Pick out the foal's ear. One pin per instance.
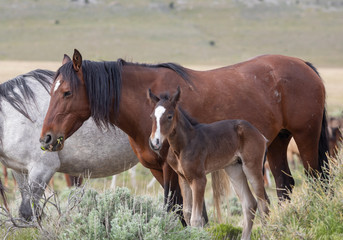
(77, 60)
(176, 97)
(153, 99)
(66, 59)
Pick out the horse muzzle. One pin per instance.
(155, 147)
(51, 143)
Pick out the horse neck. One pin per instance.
(182, 133)
(134, 106)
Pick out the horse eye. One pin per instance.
(67, 94)
(170, 117)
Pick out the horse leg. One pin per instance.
(32, 187)
(277, 158)
(5, 175)
(198, 191)
(113, 182)
(308, 148)
(312, 141)
(255, 178)
(132, 172)
(158, 175)
(241, 187)
(172, 191)
(170, 176)
(73, 181)
(68, 180)
(187, 199)
(25, 210)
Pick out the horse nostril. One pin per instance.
(157, 141)
(47, 138)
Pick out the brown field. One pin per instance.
(332, 78)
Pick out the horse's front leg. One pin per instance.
(198, 190)
(25, 210)
(32, 186)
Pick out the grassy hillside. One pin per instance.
(188, 32)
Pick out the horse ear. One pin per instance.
(77, 60)
(66, 59)
(176, 97)
(153, 99)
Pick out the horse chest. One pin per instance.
(173, 160)
(183, 165)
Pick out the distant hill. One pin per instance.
(196, 32)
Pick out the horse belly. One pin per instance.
(98, 153)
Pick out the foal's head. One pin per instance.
(163, 118)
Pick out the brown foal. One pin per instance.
(198, 149)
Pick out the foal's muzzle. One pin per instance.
(155, 147)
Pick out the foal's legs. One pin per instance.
(240, 184)
(198, 191)
(187, 199)
(255, 177)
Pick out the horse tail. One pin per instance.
(323, 145)
(3, 195)
(323, 148)
(220, 187)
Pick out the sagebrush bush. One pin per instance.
(314, 212)
(120, 215)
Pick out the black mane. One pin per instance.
(103, 83)
(181, 71)
(8, 93)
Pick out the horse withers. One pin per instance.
(198, 149)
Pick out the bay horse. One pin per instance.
(24, 101)
(197, 149)
(281, 96)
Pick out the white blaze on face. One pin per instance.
(157, 138)
(57, 85)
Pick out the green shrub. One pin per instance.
(225, 231)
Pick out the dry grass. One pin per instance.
(11, 69)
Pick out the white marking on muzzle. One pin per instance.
(157, 135)
(57, 85)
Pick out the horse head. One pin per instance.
(163, 118)
(69, 106)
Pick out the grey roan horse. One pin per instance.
(24, 101)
